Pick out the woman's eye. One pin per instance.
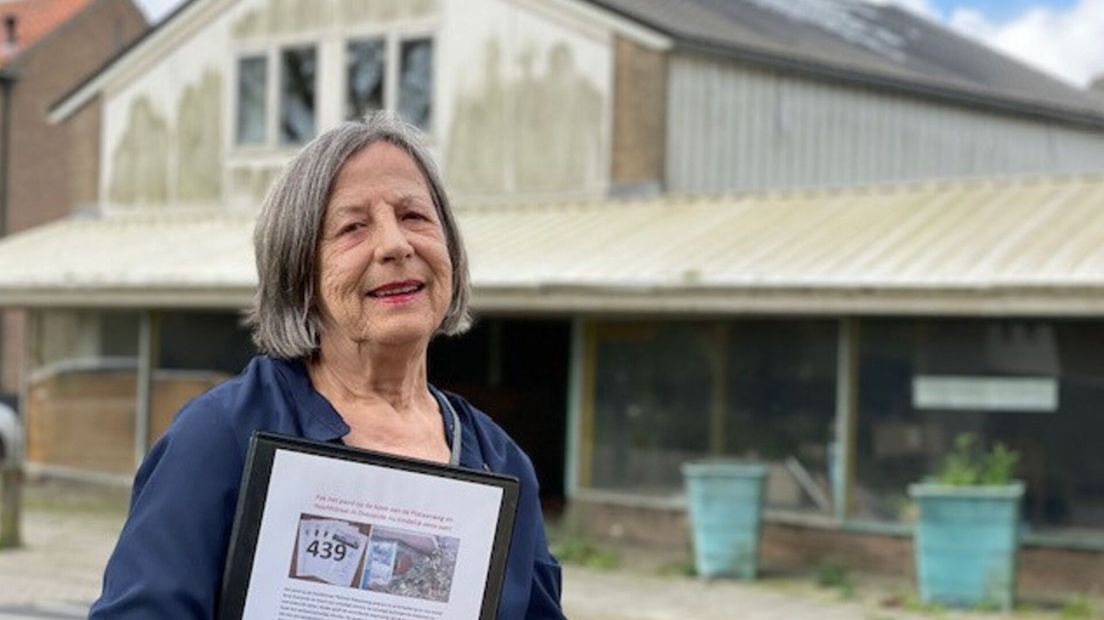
(414, 215)
(350, 227)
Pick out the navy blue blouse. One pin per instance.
(169, 560)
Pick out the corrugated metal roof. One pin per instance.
(1007, 246)
(884, 43)
(150, 258)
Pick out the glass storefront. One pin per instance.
(663, 393)
(668, 392)
(1036, 386)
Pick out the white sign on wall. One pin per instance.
(976, 393)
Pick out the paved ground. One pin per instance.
(69, 537)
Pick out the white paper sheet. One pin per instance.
(435, 523)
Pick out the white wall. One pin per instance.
(532, 122)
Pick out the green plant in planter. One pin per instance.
(967, 534)
(967, 466)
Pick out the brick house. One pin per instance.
(49, 171)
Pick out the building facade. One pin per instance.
(831, 310)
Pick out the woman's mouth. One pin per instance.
(397, 291)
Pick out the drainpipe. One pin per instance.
(7, 83)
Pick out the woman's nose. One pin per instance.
(393, 244)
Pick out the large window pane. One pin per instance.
(252, 81)
(666, 393)
(909, 417)
(204, 341)
(364, 67)
(779, 404)
(297, 92)
(416, 81)
(652, 392)
(81, 389)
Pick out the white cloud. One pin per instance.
(1066, 43)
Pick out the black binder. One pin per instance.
(256, 483)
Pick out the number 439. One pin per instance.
(327, 550)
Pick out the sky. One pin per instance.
(1062, 37)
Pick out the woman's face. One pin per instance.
(384, 271)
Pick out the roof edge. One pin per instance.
(85, 90)
(1004, 301)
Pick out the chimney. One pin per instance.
(11, 38)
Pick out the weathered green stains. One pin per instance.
(540, 133)
(199, 140)
(248, 26)
(478, 139)
(282, 17)
(139, 171)
(357, 11)
(253, 183)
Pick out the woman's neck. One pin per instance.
(362, 375)
(382, 394)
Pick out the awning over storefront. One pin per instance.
(1032, 246)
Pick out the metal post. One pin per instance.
(847, 398)
(718, 402)
(574, 406)
(147, 361)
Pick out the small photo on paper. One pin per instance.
(329, 550)
(411, 564)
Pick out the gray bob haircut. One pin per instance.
(285, 319)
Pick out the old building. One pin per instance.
(902, 241)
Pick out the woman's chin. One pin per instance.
(397, 334)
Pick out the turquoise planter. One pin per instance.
(725, 502)
(966, 543)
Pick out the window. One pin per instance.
(252, 85)
(667, 393)
(280, 103)
(416, 82)
(364, 67)
(366, 71)
(298, 69)
(905, 431)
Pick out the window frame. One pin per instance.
(278, 109)
(331, 82)
(393, 36)
(264, 56)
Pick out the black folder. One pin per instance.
(256, 482)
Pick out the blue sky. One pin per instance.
(1062, 37)
(1001, 10)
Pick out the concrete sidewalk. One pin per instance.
(57, 575)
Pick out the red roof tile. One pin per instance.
(34, 19)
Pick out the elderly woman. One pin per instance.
(360, 264)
